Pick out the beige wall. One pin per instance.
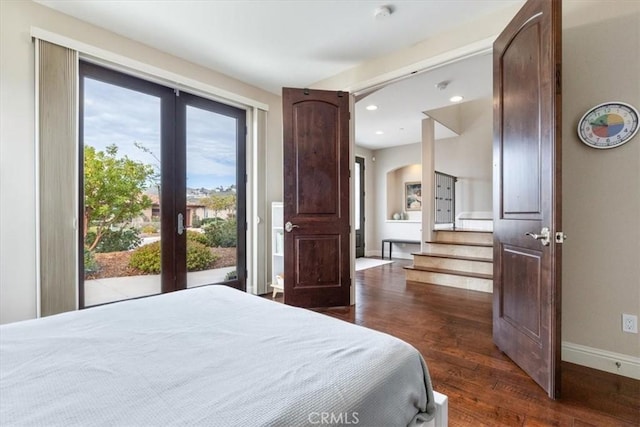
(601, 188)
(388, 161)
(17, 172)
(469, 157)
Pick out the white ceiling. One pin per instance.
(295, 43)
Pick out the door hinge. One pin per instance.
(560, 237)
(177, 92)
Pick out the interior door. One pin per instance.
(316, 198)
(359, 206)
(527, 191)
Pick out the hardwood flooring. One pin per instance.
(452, 329)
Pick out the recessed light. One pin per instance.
(379, 132)
(456, 98)
(372, 107)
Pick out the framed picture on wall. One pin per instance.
(413, 196)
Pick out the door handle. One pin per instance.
(543, 236)
(180, 224)
(288, 226)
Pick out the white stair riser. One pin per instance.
(453, 264)
(459, 250)
(443, 279)
(464, 237)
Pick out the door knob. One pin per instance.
(288, 226)
(543, 236)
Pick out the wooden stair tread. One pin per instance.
(481, 245)
(464, 230)
(460, 257)
(453, 272)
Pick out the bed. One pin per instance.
(210, 356)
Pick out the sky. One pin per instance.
(116, 115)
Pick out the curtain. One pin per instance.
(57, 154)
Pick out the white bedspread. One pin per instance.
(209, 356)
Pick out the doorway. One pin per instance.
(162, 189)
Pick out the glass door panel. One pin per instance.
(211, 196)
(121, 192)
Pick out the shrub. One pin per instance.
(223, 233)
(195, 221)
(147, 258)
(149, 229)
(194, 236)
(199, 257)
(206, 221)
(90, 263)
(115, 240)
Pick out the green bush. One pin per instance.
(149, 229)
(206, 221)
(199, 257)
(115, 240)
(223, 233)
(194, 236)
(147, 258)
(90, 263)
(195, 221)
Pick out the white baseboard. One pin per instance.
(601, 360)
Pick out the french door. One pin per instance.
(162, 189)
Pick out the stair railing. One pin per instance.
(445, 205)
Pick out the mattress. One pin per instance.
(210, 356)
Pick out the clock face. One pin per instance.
(608, 125)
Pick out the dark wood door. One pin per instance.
(359, 206)
(316, 198)
(527, 191)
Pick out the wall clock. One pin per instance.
(608, 125)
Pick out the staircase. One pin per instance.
(460, 258)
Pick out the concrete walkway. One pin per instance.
(100, 291)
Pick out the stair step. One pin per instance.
(477, 250)
(465, 236)
(448, 242)
(449, 278)
(466, 258)
(455, 263)
(453, 272)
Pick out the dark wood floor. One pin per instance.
(452, 330)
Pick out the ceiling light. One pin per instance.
(379, 132)
(372, 107)
(456, 98)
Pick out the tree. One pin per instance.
(219, 202)
(113, 190)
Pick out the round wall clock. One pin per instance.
(608, 125)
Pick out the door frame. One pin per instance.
(360, 160)
(173, 155)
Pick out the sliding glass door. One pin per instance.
(162, 202)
